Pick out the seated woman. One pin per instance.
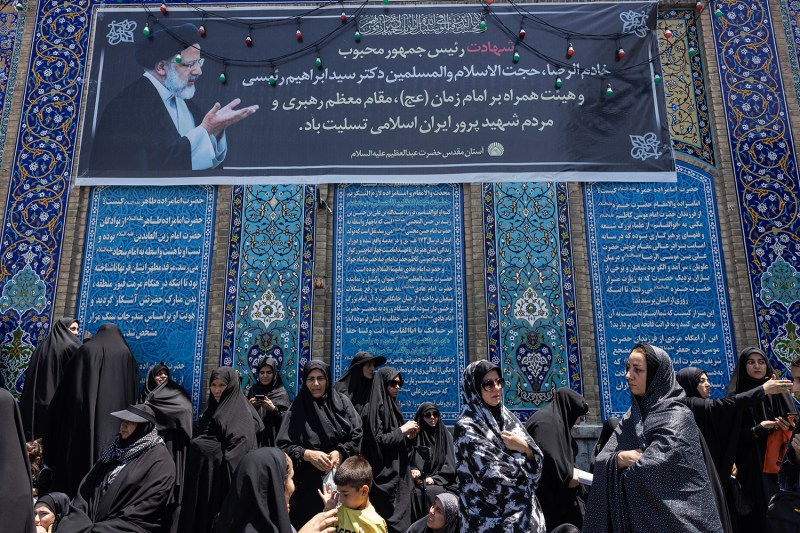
(49, 510)
(129, 487)
(173, 409)
(433, 465)
(320, 430)
(356, 383)
(560, 493)
(269, 397)
(651, 475)
(498, 464)
(442, 516)
(226, 432)
(386, 440)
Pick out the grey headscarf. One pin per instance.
(667, 489)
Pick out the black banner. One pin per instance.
(411, 94)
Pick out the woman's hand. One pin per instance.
(320, 460)
(410, 429)
(627, 458)
(254, 401)
(516, 443)
(769, 424)
(429, 481)
(266, 402)
(324, 522)
(777, 386)
(415, 474)
(796, 446)
(336, 458)
(783, 423)
(574, 482)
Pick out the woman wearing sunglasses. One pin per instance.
(433, 465)
(498, 463)
(386, 440)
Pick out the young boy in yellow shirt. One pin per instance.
(353, 480)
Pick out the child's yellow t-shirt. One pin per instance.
(366, 520)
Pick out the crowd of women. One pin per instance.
(115, 459)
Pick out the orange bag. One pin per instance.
(777, 441)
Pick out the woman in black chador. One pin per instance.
(173, 409)
(269, 397)
(356, 383)
(755, 424)
(226, 432)
(129, 487)
(16, 504)
(560, 493)
(387, 439)
(320, 430)
(101, 378)
(45, 372)
(433, 465)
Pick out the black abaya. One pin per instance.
(756, 485)
(387, 451)
(551, 429)
(44, 373)
(101, 378)
(326, 424)
(134, 501)
(226, 433)
(16, 503)
(276, 393)
(256, 502)
(173, 409)
(432, 454)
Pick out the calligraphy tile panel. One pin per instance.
(146, 268)
(269, 279)
(399, 287)
(765, 170)
(684, 84)
(33, 223)
(530, 292)
(658, 277)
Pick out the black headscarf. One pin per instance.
(226, 433)
(551, 429)
(325, 424)
(101, 378)
(773, 405)
(276, 393)
(668, 489)
(689, 379)
(44, 373)
(497, 486)
(256, 502)
(16, 504)
(353, 383)
(173, 411)
(58, 503)
(441, 463)
(386, 450)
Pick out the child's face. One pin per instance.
(354, 498)
(796, 380)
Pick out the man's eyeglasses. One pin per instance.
(397, 383)
(490, 384)
(196, 63)
(431, 414)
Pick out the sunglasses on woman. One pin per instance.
(490, 384)
(431, 414)
(398, 383)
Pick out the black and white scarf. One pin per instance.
(123, 456)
